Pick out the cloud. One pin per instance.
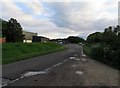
(83, 16)
(34, 7)
(62, 19)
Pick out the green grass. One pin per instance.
(12, 52)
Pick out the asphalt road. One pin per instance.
(68, 68)
(83, 72)
(14, 70)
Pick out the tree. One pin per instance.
(117, 29)
(95, 37)
(109, 35)
(105, 46)
(75, 39)
(12, 30)
(3, 27)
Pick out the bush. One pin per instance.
(86, 49)
(97, 51)
(103, 53)
(105, 46)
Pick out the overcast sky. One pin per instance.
(62, 19)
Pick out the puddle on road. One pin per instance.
(79, 72)
(5, 82)
(78, 59)
(28, 74)
(72, 58)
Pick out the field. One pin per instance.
(12, 52)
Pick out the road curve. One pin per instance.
(14, 70)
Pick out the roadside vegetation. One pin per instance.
(15, 50)
(75, 39)
(12, 52)
(105, 46)
(12, 30)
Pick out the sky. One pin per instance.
(62, 18)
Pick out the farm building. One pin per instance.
(28, 36)
(40, 39)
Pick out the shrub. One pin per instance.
(103, 53)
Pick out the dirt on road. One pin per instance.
(74, 72)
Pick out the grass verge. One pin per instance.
(12, 52)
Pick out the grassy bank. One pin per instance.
(12, 52)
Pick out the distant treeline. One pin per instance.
(70, 39)
(105, 46)
(12, 31)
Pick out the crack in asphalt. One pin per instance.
(33, 73)
(30, 73)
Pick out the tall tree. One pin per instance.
(3, 27)
(13, 31)
(109, 35)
